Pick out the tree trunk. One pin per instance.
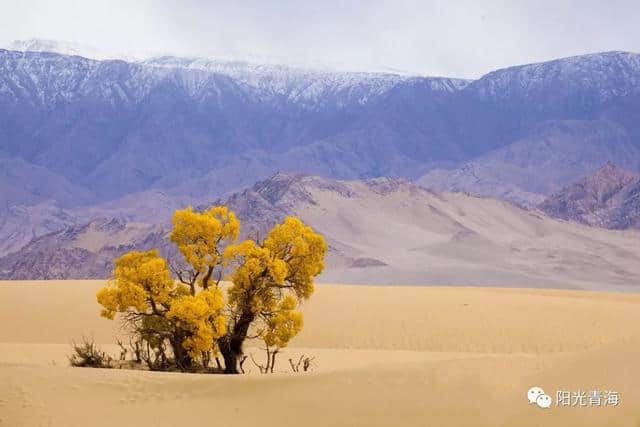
(230, 362)
(231, 344)
(183, 359)
(273, 359)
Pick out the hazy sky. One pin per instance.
(451, 38)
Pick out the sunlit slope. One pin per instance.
(391, 232)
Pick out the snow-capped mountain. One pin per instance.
(116, 127)
(55, 46)
(550, 124)
(600, 77)
(310, 86)
(199, 128)
(235, 62)
(75, 49)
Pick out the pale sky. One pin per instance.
(464, 38)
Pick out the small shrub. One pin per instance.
(88, 355)
(305, 361)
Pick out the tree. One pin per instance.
(188, 311)
(270, 280)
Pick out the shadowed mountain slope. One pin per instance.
(553, 155)
(609, 198)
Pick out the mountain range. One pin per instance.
(380, 231)
(113, 128)
(89, 144)
(106, 129)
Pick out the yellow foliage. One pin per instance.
(255, 275)
(141, 282)
(285, 324)
(302, 249)
(199, 235)
(202, 316)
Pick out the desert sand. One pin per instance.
(386, 356)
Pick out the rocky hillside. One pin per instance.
(386, 231)
(609, 198)
(84, 251)
(19, 224)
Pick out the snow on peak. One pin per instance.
(311, 85)
(611, 74)
(73, 49)
(299, 83)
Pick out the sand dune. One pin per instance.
(407, 356)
